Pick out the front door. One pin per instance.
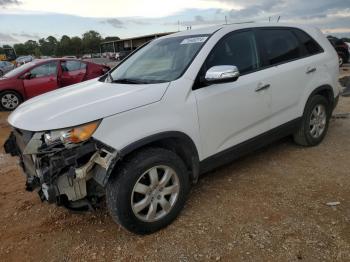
(233, 112)
(42, 79)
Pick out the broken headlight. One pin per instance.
(73, 135)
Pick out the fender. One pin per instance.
(320, 89)
(185, 144)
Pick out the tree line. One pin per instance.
(89, 43)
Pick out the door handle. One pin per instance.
(310, 70)
(262, 87)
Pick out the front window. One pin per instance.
(44, 70)
(162, 60)
(238, 49)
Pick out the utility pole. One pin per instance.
(178, 25)
(226, 19)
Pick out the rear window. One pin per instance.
(69, 66)
(310, 45)
(281, 45)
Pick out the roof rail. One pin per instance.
(238, 23)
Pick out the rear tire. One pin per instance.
(314, 123)
(148, 191)
(10, 100)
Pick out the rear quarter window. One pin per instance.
(310, 45)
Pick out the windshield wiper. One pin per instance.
(128, 81)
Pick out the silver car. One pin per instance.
(23, 60)
(5, 67)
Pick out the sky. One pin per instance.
(21, 20)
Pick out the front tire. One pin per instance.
(148, 191)
(10, 100)
(314, 123)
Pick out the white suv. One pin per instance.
(177, 107)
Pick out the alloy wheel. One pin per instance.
(9, 101)
(155, 193)
(318, 121)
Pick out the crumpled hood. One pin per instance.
(82, 103)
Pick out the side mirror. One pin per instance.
(221, 74)
(28, 76)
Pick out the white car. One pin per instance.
(176, 108)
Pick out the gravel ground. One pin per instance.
(268, 206)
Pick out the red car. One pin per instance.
(41, 76)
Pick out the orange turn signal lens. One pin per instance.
(82, 133)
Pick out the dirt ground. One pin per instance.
(268, 206)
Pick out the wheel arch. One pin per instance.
(176, 141)
(13, 90)
(325, 91)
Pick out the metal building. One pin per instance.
(128, 44)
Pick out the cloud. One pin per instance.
(141, 17)
(116, 23)
(9, 2)
(255, 9)
(199, 18)
(26, 35)
(138, 22)
(7, 38)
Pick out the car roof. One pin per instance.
(235, 26)
(37, 61)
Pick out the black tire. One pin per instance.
(10, 106)
(303, 135)
(120, 187)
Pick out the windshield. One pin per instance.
(19, 70)
(162, 60)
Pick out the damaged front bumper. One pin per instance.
(72, 175)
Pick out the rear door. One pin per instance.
(95, 70)
(43, 78)
(73, 72)
(286, 72)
